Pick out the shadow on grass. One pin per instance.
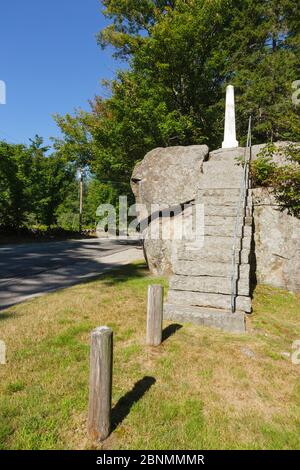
(170, 331)
(76, 273)
(123, 274)
(122, 409)
(6, 316)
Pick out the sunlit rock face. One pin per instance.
(276, 243)
(166, 177)
(169, 175)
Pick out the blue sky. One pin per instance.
(50, 62)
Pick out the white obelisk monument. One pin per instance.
(230, 129)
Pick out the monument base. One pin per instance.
(230, 145)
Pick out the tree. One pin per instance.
(181, 55)
(284, 179)
(14, 169)
(132, 22)
(76, 147)
(265, 63)
(188, 51)
(32, 184)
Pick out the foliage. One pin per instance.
(95, 193)
(180, 56)
(32, 184)
(192, 49)
(40, 191)
(284, 178)
(263, 168)
(14, 163)
(75, 147)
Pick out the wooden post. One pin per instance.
(100, 383)
(155, 315)
(2, 353)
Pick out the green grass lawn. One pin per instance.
(201, 389)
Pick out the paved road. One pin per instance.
(32, 269)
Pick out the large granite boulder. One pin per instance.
(161, 250)
(166, 177)
(278, 157)
(169, 175)
(277, 242)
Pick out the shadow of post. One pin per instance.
(170, 331)
(124, 405)
(6, 316)
(253, 262)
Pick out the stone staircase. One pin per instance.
(201, 286)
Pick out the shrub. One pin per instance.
(283, 179)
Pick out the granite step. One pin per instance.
(212, 284)
(227, 230)
(223, 211)
(226, 175)
(221, 221)
(220, 256)
(206, 268)
(220, 197)
(226, 321)
(224, 201)
(204, 299)
(234, 193)
(218, 244)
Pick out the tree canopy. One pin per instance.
(181, 54)
(32, 184)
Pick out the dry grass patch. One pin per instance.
(200, 389)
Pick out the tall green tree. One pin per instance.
(33, 184)
(180, 57)
(14, 170)
(264, 48)
(187, 52)
(76, 147)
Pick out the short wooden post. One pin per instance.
(2, 353)
(100, 383)
(155, 315)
